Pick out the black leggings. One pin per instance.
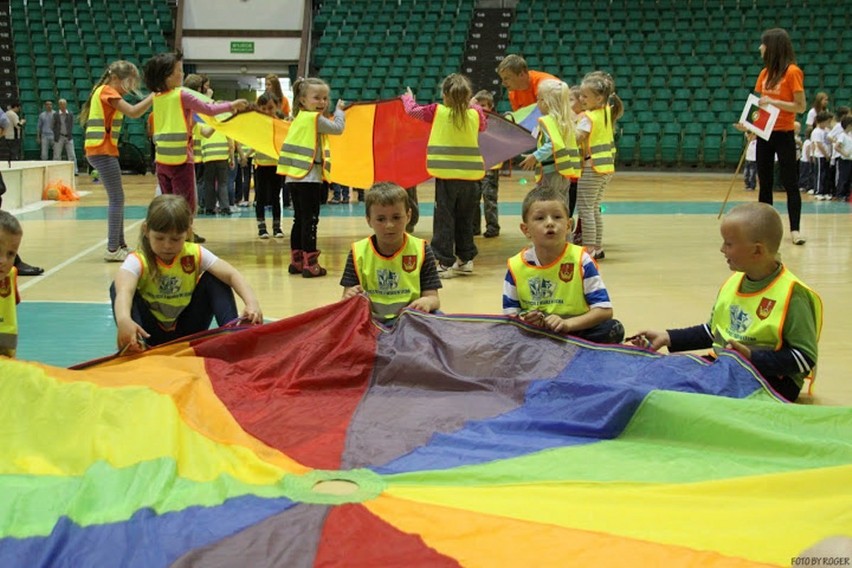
(783, 144)
(307, 197)
(267, 191)
(211, 298)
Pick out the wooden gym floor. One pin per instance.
(663, 266)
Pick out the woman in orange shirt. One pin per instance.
(97, 117)
(780, 84)
(273, 85)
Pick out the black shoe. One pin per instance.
(25, 269)
(196, 238)
(491, 234)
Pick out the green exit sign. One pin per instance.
(242, 47)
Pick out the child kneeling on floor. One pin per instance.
(172, 287)
(556, 284)
(395, 269)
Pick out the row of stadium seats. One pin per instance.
(61, 52)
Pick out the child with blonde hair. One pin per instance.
(454, 159)
(102, 117)
(557, 158)
(763, 311)
(595, 128)
(305, 159)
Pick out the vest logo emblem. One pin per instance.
(541, 289)
(5, 287)
(765, 308)
(409, 262)
(740, 320)
(566, 272)
(187, 263)
(388, 280)
(169, 285)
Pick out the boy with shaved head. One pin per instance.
(763, 311)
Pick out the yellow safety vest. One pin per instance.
(263, 160)
(566, 154)
(757, 319)
(452, 153)
(96, 127)
(171, 292)
(9, 314)
(299, 151)
(600, 144)
(197, 151)
(170, 132)
(556, 288)
(392, 283)
(215, 148)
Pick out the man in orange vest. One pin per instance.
(520, 81)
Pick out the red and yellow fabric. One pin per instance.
(379, 143)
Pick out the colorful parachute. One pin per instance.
(474, 441)
(380, 142)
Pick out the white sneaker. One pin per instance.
(811, 192)
(797, 238)
(118, 255)
(446, 271)
(463, 268)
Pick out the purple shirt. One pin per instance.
(426, 113)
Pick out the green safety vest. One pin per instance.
(299, 151)
(9, 314)
(556, 288)
(566, 154)
(452, 153)
(600, 145)
(171, 292)
(170, 132)
(392, 283)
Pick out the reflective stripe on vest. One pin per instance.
(214, 148)
(170, 133)
(9, 314)
(453, 153)
(566, 154)
(556, 288)
(600, 143)
(299, 151)
(392, 283)
(170, 292)
(264, 160)
(96, 127)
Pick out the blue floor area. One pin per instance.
(64, 334)
(136, 212)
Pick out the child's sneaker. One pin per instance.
(445, 271)
(463, 267)
(277, 232)
(117, 255)
(262, 233)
